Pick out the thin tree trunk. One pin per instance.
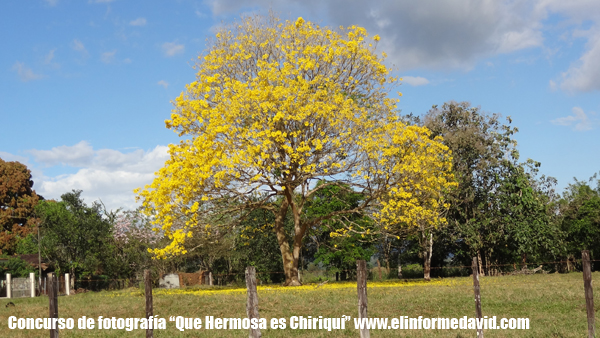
(480, 265)
(428, 244)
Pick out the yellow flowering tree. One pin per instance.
(276, 107)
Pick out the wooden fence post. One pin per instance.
(477, 294)
(361, 288)
(589, 295)
(252, 303)
(53, 301)
(148, 293)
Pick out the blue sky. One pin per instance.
(85, 86)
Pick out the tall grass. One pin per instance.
(554, 303)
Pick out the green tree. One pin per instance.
(17, 203)
(580, 217)
(499, 209)
(75, 237)
(17, 268)
(256, 245)
(525, 217)
(339, 246)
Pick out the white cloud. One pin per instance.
(172, 48)
(78, 46)
(448, 34)
(584, 75)
(415, 80)
(25, 73)
(138, 22)
(517, 40)
(425, 33)
(8, 157)
(108, 57)
(79, 155)
(51, 3)
(49, 57)
(163, 83)
(580, 120)
(106, 174)
(573, 10)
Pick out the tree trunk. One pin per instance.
(428, 248)
(479, 260)
(290, 263)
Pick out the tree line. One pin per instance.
(293, 153)
(502, 212)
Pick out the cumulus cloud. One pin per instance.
(578, 119)
(138, 22)
(106, 174)
(79, 155)
(584, 75)
(108, 57)
(8, 157)
(455, 34)
(25, 73)
(573, 10)
(163, 83)
(415, 80)
(172, 48)
(426, 33)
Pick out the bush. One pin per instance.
(17, 268)
(412, 271)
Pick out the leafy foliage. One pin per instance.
(580, 217)
(339, 246)
(17, 268)
(500, 210)
(17, 203)
(75, 237)
(275, 108)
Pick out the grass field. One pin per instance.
(554, 303)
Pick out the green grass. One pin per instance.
(554, 303)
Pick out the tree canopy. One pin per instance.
(580, 216)
(17, 203)
(501, 209)
(75, 237)
(276, 107)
